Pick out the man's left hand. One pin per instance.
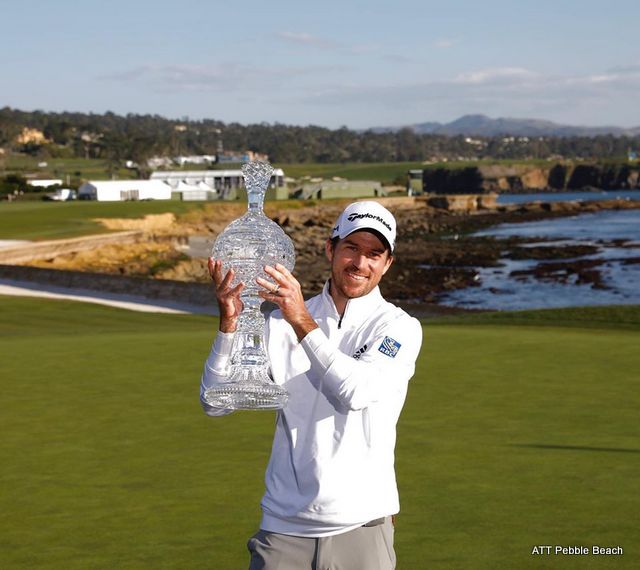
(287, 294)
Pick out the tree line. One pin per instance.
(117, 138)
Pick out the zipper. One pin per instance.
(342, 315)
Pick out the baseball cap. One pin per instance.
(367, 215)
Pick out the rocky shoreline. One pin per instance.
(435, 253)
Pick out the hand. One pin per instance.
(228, 298)
(287, 294)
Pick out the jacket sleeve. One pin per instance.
(216, 371)
(382, 372)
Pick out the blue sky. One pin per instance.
(328, 63)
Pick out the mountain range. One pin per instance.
(481, 125)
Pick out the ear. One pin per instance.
(388, 263)
(328, 250)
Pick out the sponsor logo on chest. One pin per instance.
(389, 346)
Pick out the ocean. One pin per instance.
(615, 234)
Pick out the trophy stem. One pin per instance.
(249, 386)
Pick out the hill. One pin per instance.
(481, 125)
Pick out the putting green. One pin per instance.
(512, 436)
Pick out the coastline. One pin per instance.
(435, 253)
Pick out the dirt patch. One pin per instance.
(150, 223)
(148, 258)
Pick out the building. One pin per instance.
(31, 136)
(414, 181)
(225, 183)
(159, 162)
(121, 190)
(190, 192)
(340, 189)
(195, 159)
(228, 156)
(44, 183)
(62, 195)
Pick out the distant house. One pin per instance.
(62, 195)
(195, 159)
(414, 182)
(340, 189)
(33, 136)
(121, 190)
(159, 162)
(44, 183)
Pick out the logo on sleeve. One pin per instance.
(360, 352)
(389, 347)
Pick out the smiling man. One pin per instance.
(345, 356)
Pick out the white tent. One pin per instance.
(119, 190)
(184, 187)
(203, 186)
(44, 183)
(199, 191)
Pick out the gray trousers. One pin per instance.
(365, 548)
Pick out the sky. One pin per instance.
(331, 63)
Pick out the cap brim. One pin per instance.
(377, 233)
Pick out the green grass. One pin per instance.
(512, 436)
(529, 162)
(89, 168)
(53, 220)
(380, 171)
(388, 171)
(614, 316)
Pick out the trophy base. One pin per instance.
(234, 396)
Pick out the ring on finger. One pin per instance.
(275, 290)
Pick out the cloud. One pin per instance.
(496, 75)
(303, 38)
(187, 76)
(346, 95)
(631, 69)
(508, 91)
(225, 77)
(398, 58)
(445, 43)
(370, 49)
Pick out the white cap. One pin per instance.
(367, 215)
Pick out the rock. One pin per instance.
(428, 261)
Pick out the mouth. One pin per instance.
(356, 276)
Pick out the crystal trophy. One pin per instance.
(246, 246)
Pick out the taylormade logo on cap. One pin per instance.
(366, 215)
(352, 217)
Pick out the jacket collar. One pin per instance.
(357, 309)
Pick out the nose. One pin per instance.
(359, 261)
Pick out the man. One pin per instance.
(345, 357)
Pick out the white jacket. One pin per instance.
(332, 461)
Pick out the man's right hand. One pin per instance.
(229, 302)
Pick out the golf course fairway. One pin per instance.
(517, 431)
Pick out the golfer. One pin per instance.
(345, 356)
